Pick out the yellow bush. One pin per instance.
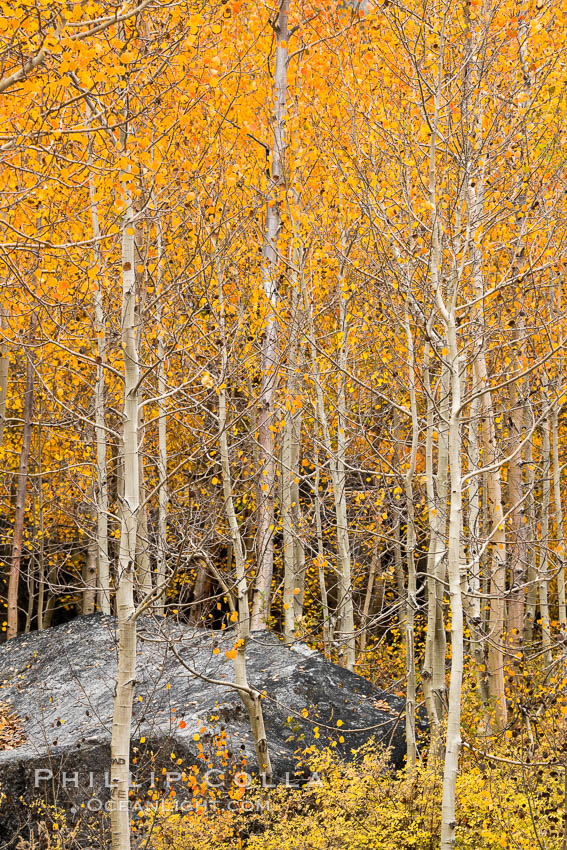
(364, 806)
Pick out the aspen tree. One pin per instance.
(555, 310)
(21, 491)
(251, 698)
(129, 505)
(374, 576)
(531, 571)
(143, 561)
(474, 589)
(558, 507)
(321, 560)
(293, 553)
(516, 500)
(433, 674)
(345, 608)
(4, 373)
(453, 735)
(493, 473)
(411, 597)
(446, 303)
(122, 715)
(163, 494)
(101, 486)
(544, 570)
(344, 637)
(271, 270)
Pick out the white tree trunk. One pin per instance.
(101, 486)
(518, 540)
(122, 716)
(411, 594)
(296, 512)
(271, 266)
(251, 698)
(544, 566)
(321, 560)
(289, 494)
(453, 738)
(493, 501)
(4, 371)
(477, 638)
(559, 533)
(88, 596)
(344, 636)
(496, 655)
(448, 315)
(345, 607)
(144, 584)
(433, 676)
(531, 571)
(163, 493)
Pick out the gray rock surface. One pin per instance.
(61, 683)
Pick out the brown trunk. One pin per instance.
(200, 593)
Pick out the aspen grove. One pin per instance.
(282, 338)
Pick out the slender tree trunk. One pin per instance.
(271, 266)
(496, 656)
(101, 486)
(531, 572)
(411, 596)
(433, 675)
(163, 494)
(398, 559)
(375, 571)
(493, 501)
(41, 564)
(122, 716)
(321, 560)
(296, 512)
(337, 469)
(559, 533)
(144, 585)
(544, 567)
(49, 609)
(516, 503)
(20, 511)
(477, 636)
(88, 596)
(143, 560)
(345, 607)
(289, 472)
(4, 371)
(200, 593)
(251, 698)
(448, 315)
(453, 737)
(474, 176)
(453, 741)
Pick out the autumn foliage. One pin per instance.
(372, 397)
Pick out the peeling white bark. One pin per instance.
(101, 485)
(270, 271)
(122, 716)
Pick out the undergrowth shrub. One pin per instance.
(363, 805)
